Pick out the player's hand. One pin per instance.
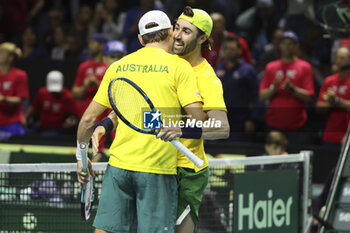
(95, 138)
(83, 177)
(169, 133)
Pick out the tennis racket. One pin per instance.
(87, 191)
(130, 102)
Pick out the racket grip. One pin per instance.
(83, 150)
(84, 162)
(184, 150)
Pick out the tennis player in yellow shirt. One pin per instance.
(140, 180)
(191, 37)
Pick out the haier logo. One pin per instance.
(266, 201)
(261, 214)
(151, 120)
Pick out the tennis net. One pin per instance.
(46, 197)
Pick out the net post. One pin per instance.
(306, 193)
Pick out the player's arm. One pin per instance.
(220, 129)
(85, 130)
(88, 120)
(196, 112)
(100, 130)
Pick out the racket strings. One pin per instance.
(130, 103)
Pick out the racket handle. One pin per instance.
(184, 150)
(83, 150)
(84, 162)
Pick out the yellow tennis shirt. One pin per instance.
(211, 91)
(170, 83)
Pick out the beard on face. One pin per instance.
(186, 48)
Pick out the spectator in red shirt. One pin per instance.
(57, 107)
(90, 72)
(287, 84)
(219, 33)
(334, 98)
(13, 90)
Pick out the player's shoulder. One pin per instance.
(179, 63)
(206, 74)
(205, 69)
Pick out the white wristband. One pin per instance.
(82, 149)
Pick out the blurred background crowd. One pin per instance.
(279, 69)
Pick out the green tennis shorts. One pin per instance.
(191, 189)
(152, 198)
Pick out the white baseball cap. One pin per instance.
(154, 16)
(54, 81)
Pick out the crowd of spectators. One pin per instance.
(270, 55)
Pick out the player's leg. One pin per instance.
(116, 209)
(156, 204)
(191, 189)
